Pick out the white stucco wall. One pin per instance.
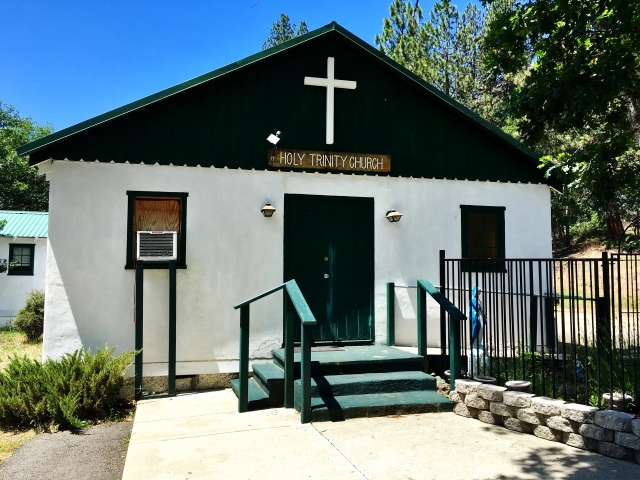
(15, 288)
(234, 253)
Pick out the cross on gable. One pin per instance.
(330, 83)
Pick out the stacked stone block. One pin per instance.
(614, 434)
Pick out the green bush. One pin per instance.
(65, 394)
(612, 370)
(30, 318)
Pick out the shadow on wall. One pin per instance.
(406, 320)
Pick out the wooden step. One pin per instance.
(258, 398)
(356, 359)
(270, 377)
(377, 405)
(365, 383)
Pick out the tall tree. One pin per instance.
(442, 29)
(471, 80)
(583, 80)
(21, 187)
(404, 38)
(284, 30)
(446, 50)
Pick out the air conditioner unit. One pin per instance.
(158, 246)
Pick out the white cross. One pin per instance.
(330, 83)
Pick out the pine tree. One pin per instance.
(446, 50)
(468, 57)
(404, 38)
(442, 28)
(284, 30)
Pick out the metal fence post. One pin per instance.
(172, 327)
(422, 324)
(391, 314)
(603, 323)
(454, 352)
(243, 374)
(533, 323)
(305, 374)
(549, 322)
(139, 283)
(289, 338)
(443, 314)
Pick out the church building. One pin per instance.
(320, 160)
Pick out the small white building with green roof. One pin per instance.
(23, 258)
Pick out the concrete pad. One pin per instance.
(276, 453)
(203, 436)
(411, 446)
(186, 405)
(214, 424)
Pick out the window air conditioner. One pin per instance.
(158, 246)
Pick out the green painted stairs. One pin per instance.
(359, 381)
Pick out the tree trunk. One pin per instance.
(614, 222)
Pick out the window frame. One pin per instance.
(32, 248)
(182, 262)
(500, 238)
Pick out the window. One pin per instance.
(156, 211)
(20, 259)
(482, 234)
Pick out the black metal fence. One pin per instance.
(569, 326)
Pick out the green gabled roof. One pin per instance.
(24, 224)
(143, 102)
(332, 27)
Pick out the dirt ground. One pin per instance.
(96, 453)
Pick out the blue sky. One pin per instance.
(66, 61)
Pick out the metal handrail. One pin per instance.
(444, 302)
(295, 298)
(424, 287)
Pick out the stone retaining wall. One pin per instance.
(614, 434)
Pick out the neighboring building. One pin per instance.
(23, 246)
(194, 159)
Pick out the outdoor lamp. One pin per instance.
(393, 216)
(267, 210)
(274, 139)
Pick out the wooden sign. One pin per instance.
(338, 161)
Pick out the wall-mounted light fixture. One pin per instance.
(274, 139)
(393, 216)
(268, 210)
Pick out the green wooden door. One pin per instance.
(328, 250)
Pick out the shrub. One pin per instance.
(65, 393)
(30, 318)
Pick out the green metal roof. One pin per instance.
(24, 224)
(456, 107)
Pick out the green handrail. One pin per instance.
(293, 298)
(424, 287)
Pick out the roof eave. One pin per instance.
(43, 142)
(333, 26)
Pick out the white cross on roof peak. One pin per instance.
(330, 83)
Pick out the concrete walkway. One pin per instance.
(201, 435)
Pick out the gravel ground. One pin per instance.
(97, 453)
